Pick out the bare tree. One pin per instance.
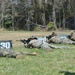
(3, 11)
(54, 14)
(63, 8)
(13, 14)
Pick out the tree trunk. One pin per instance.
(28, 22)
(54, 15)
(13, 10)
(63, 9)
(44, 18)
(74, 14)
(3, 8)
(59, 20)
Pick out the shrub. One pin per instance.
(51, 26)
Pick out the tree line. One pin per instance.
(29, 14)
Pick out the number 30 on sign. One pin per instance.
(7, 44)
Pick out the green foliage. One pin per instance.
(37, 28)
(51, 26)
(8, 22)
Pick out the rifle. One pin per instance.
(22, 55)
(23, 41)
(28, 40)
(32, 54)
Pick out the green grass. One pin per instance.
(54, 62)
(45, 63)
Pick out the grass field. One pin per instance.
(54, 62)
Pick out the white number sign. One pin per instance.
(6, 44)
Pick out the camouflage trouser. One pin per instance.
(9, 53)
(41, 44)
(49, 46)
(59, 40)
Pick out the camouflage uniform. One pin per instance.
(72, 36)
(61, 39)
(10, 53)
(43, 45)
(40, 42)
